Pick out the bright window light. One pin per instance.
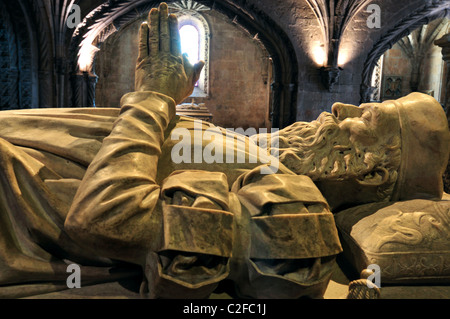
(190, 42)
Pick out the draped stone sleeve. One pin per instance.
(291, 242)
(115, 211)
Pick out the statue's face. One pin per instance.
(369, 124)
(348, 144)
(353, 154)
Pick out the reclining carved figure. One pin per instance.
(98, 187)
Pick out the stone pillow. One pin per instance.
(409, 241)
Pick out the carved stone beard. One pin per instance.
(322, 151)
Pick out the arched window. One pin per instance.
(195, 34)
(190, 42)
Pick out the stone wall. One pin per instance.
(239, 83)
(238, 77)
(115, 64)
(433, 73)
(55, 67)
(396, 64)
(299, 22)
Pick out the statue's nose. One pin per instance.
(343, 111)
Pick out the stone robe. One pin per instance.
(96, 187)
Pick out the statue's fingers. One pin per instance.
(153, 43)
(198, 67)
(143, 42)
(193, 71)
(175, 45)
(187, 64)
(164, 30)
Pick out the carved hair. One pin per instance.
(322, 151)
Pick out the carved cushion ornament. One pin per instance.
(409, 241)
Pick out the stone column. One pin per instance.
(83, 89)
(444, 43)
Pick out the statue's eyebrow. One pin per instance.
(366, 105)
(374, 111)
(370, 107)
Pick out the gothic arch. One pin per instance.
(419, 18)
(110, 16)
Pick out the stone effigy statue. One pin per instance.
(100, 188)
